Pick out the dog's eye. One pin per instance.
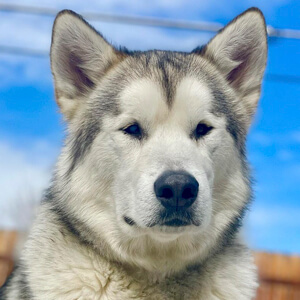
(133, 130)
(201, 130)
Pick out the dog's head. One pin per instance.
(156, 140)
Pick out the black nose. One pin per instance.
(176, 190)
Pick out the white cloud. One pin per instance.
(286, 145)
(34, 32)
(31, 31)
(169, 7)
(28, 31)
(273, 228)
(264, 216)
(261, 138)
(145, 38)
(175, 8)
(266, 139)
(23, 177)
(21, 70)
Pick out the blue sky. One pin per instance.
(31, 130)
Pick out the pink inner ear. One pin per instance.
(77, 74)
(240, 51)
(237, 75)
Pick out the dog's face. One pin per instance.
(163, 144)
(156, 139)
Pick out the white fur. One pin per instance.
(79, 273)
(116, 178)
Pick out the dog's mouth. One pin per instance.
(177, 219)
(176, 223)
(174, 220)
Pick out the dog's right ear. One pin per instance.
(239, 51)
(80, 56)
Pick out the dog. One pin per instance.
(149, 192)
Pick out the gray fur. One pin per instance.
(99, 232)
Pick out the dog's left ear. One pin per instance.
(240, 52)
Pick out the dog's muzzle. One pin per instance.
(176, 191)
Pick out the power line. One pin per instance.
(293, 79)
(23, 51)
(146, 21)
(283, 78)
(114, 18)
(142, 21)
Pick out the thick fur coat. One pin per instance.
(150, 189)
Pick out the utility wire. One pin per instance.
(146, 21)
(23, 51)
(293, 79)
(286, 78)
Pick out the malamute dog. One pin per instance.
(152, 184)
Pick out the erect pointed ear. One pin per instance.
(240, 52)
(80, 56)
